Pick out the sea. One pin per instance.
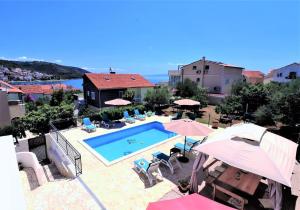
(77, 83)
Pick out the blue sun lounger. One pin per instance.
(190, 143)
(139, 116)
(127, 118)
(170, 161)
(148, 169)
(88, 125)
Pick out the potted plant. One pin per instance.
(183, 185)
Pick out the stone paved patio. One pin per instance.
(118, 186)
(62, 194)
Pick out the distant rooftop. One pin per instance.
(253, 74)
(42, 89)
(219, 63)
(9, 88)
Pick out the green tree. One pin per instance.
(263, 116)
(187, 89)
(201, 96)
(57, 97)
(128, 95)
(157, 96)
(231, 105)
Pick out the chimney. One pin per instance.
(111, 71)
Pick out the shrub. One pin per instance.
(263, 116)
(6, 130)
(38, 121)
(17, 129)
(113, 113)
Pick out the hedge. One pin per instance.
(114, 113)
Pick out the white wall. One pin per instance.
(17, 110)
(12, 195)
(230, 76)
(28, 159)
(57, 155)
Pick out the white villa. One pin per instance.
(284, 74)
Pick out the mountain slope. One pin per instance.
(59, 71)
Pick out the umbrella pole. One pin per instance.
(183, 158)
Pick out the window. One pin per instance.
(198, 72)
(194, 67)
(206, 67)
(121, 94)
(88, 93)
(279, 74)
(227, 81)
(292, 75)
(93, 95)
(198, 79)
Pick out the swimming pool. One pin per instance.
(115, 146)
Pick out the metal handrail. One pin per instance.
(68, 148)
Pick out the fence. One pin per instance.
(69, 150)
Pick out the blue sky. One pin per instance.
(151, 37)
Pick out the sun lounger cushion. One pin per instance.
(142, 164)
(161, 156)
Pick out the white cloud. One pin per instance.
(25, 58)
(58, 61)
(22, 58)
(174, 64)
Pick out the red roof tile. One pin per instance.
(253, 74)
(42, 89)
(9, 88)
(114, 81)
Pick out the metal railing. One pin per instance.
(69, 150)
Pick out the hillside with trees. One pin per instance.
(55, 70)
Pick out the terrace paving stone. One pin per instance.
(118, 186)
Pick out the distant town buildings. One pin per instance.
(216, 77)
(253, 77)
(98, 88)
(11, 103)
(284, 74)
(18, 74)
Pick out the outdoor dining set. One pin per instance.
(248, 156)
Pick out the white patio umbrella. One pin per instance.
(187, 127)
(252, 148)
(117, 102)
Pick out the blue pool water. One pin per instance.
(119, 144)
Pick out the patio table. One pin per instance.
(244, 181)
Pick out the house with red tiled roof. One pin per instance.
(253, 77)
(215, 77)
(11, 103)
(99, 88)
(40, 91)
